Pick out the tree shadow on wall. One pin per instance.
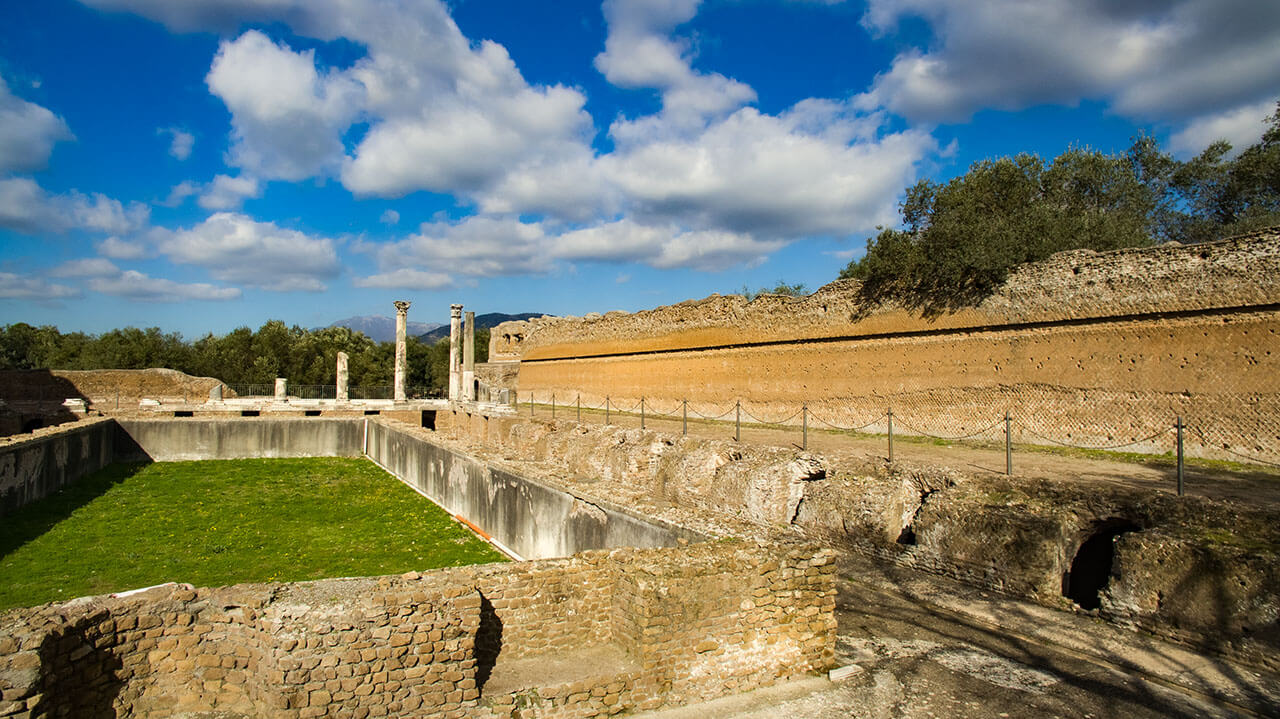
(80, 679)
(488, 642)
(18, 527)
(34, 399)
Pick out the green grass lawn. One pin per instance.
(223, 522)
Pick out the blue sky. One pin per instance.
(206, 164)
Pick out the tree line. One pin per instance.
(961, 238)
(242, 356)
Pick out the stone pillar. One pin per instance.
(469, 359)
(455, 352)
(342, 395)
(282, 389)
(402, 361)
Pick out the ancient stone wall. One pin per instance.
(1195, 570)
(103, 389)
(531, 519)
(631, 629)
(1090, 349)
(33, 466)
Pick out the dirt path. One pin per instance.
(1253, 486)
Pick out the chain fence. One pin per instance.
(1235, 427)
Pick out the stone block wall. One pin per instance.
(36, 465)
(684, 624)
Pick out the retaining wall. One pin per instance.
(193, 438)
(532, 519)
(35, 467)
(1192, 569)
(1094, 349)
(609, 631)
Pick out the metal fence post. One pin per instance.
(684, 418)
(1179, 426)
(642, 413)
(606, 410)
(737, 421)
(553, 405)
(530, 404)
(890, 434)
(579, 403)
(1008, 447)
(804, 424)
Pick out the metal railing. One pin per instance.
(1168, 436)
(327, 391)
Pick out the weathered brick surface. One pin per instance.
(695, 622)
(1093, 349)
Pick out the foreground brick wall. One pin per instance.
(690, 623)
(1095, 349)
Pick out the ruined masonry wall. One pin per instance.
(1199, 571)
(1095, 349)
(729, 617)
(44, 462)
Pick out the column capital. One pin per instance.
(455, 311)
(402, 307)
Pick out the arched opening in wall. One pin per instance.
(1091, 568)
(488, 642)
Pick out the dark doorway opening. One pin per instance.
(32, 425)
(372, 412)
(429, 419)
(311, 413)
(1092, 567)
(248, 413)
(183, 413)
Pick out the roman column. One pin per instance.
(342, 395)
(402, 363)
(469, 359)
(455, 352)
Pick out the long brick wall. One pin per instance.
(1092, 349)
(630, 629)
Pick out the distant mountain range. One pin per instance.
(383, 329)
(485, 321)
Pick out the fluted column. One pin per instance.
(469, 359)
(402, 360)
(455, 352)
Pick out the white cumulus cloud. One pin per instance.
(24, 287)
(408, 279)
(228, 193)
(140, 287)
(287, 118)
(1241, 126)
(28, 133)
(1168, 60)
(237, 249)
(180, 142)
(25, 207)
(86, 267)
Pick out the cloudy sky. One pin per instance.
(205, 164)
